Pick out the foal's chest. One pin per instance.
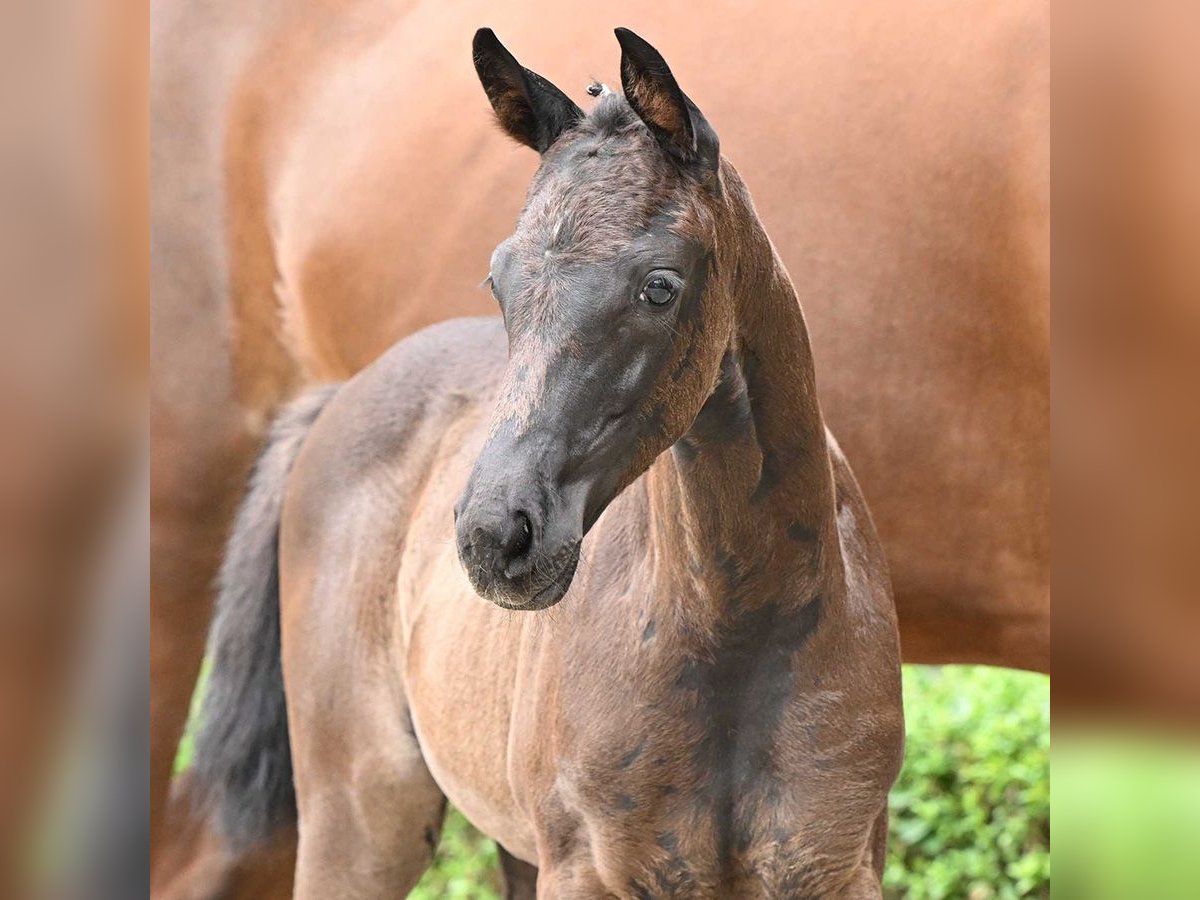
(666, 828)
(691, 778)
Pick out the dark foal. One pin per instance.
(712, 706)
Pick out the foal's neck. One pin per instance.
(744, 502)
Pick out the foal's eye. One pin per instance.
(659, 290)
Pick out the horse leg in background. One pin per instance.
(196, 482)
(198, 473)
(520, 878)
(195, 862)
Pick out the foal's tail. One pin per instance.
(243, 765)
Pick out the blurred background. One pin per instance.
(89, 498)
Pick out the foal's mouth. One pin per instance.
(545, 585)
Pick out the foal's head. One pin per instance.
(616, 313)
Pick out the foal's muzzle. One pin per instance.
(508, 554)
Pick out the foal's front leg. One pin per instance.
(370, 813)
(520, 878)
(370, 832)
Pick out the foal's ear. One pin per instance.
(528, 107)
(655, 96)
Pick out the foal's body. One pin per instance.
(688, 719)
(714, 711)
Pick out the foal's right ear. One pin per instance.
(528, 107)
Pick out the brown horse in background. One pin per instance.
(712, 708)
(318, 193)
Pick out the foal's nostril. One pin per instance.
(495, 545)
(520, 536)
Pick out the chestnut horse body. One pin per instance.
(322, 187)
(714, 709)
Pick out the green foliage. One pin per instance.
(187, 744)
(467, 866)
(970, 814)
(1127, 813)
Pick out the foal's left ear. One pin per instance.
(528, 107)
(655, 96)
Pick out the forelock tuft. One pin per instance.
(611, 115)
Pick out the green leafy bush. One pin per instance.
(467, 866)
(1127, 814)
(970, 814)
